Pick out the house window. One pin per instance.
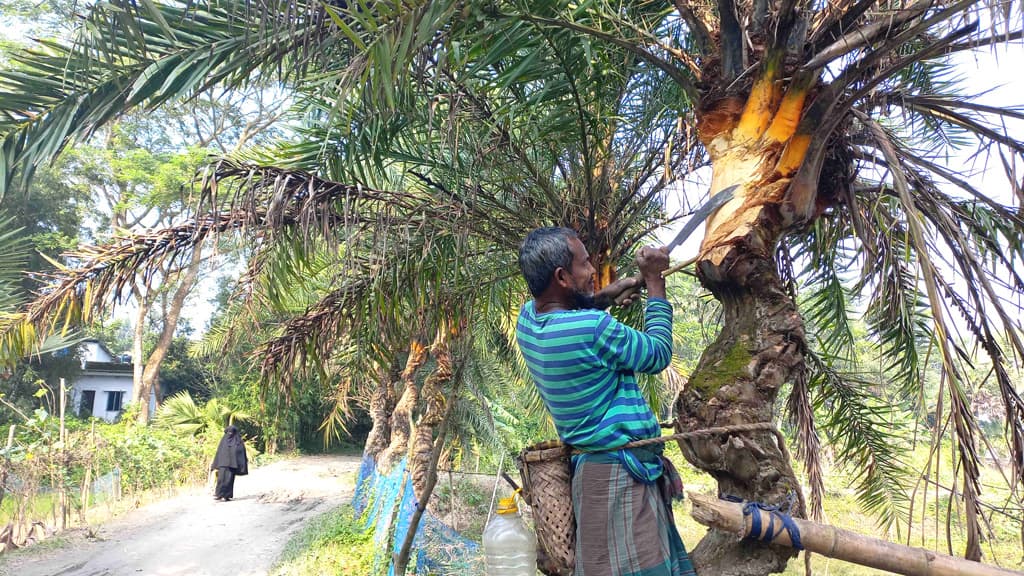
(114, 401)
(86, 403)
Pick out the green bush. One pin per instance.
(152, 457)
(146, 457)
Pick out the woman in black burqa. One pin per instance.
(229, 462)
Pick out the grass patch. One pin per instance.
(332, 543)
(40, 506)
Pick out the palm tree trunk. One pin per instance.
(382, 405)
(433, 414)
(761, 344)
(428, 481)
(401, 418)
(736, 382)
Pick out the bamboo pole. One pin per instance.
(87, 484)
(843, 544)
(677, 267)
(7, 463)
(63, 491)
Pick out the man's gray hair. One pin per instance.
(544, 251)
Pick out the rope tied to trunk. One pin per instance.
(753, 511)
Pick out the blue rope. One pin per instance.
(752, 509)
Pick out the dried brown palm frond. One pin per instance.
(808, 443)
(314, 334)
(294, 199)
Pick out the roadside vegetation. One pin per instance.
(337, 542)
(58, 473)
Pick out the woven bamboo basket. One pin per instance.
(547, 488)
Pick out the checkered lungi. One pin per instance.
(625, 527)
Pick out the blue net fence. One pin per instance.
(387, 501)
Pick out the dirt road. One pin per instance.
(195, 535)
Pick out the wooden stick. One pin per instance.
(62, 492)
(677, 267)
(640, 280)
(5, 468)
(843, 544)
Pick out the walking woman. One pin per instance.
(229, 462)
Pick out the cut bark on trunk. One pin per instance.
(727, 517)
(736, 382)
(433, 413)
(761, 345)
(401, 419)
(382, 404)
(401, 560)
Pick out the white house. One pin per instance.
(105, 385)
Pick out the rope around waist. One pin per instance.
(713, 431)
(754, 427)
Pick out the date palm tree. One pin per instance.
(832, 120)
(835, 121)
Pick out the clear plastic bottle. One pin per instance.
(510, 548)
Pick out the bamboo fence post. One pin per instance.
(87, 484)
(62, 491)
(842, 544)
(7, 464)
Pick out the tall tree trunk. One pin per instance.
(151, 372)
(401, 418)
(382, 405)
(144, 302)
(761, 344)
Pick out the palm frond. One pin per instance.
(291, 200)
(965, 426)
(128, 55)
(826, 304)
(865, 438)
(13, 258)
(181, 414)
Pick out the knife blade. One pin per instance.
(699, 215)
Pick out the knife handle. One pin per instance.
(640, 281)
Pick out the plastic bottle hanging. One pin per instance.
(510, 547)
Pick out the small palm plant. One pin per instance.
(181, 414)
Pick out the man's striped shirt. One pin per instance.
(583, 362)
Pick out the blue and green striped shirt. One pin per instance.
(584, 361)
